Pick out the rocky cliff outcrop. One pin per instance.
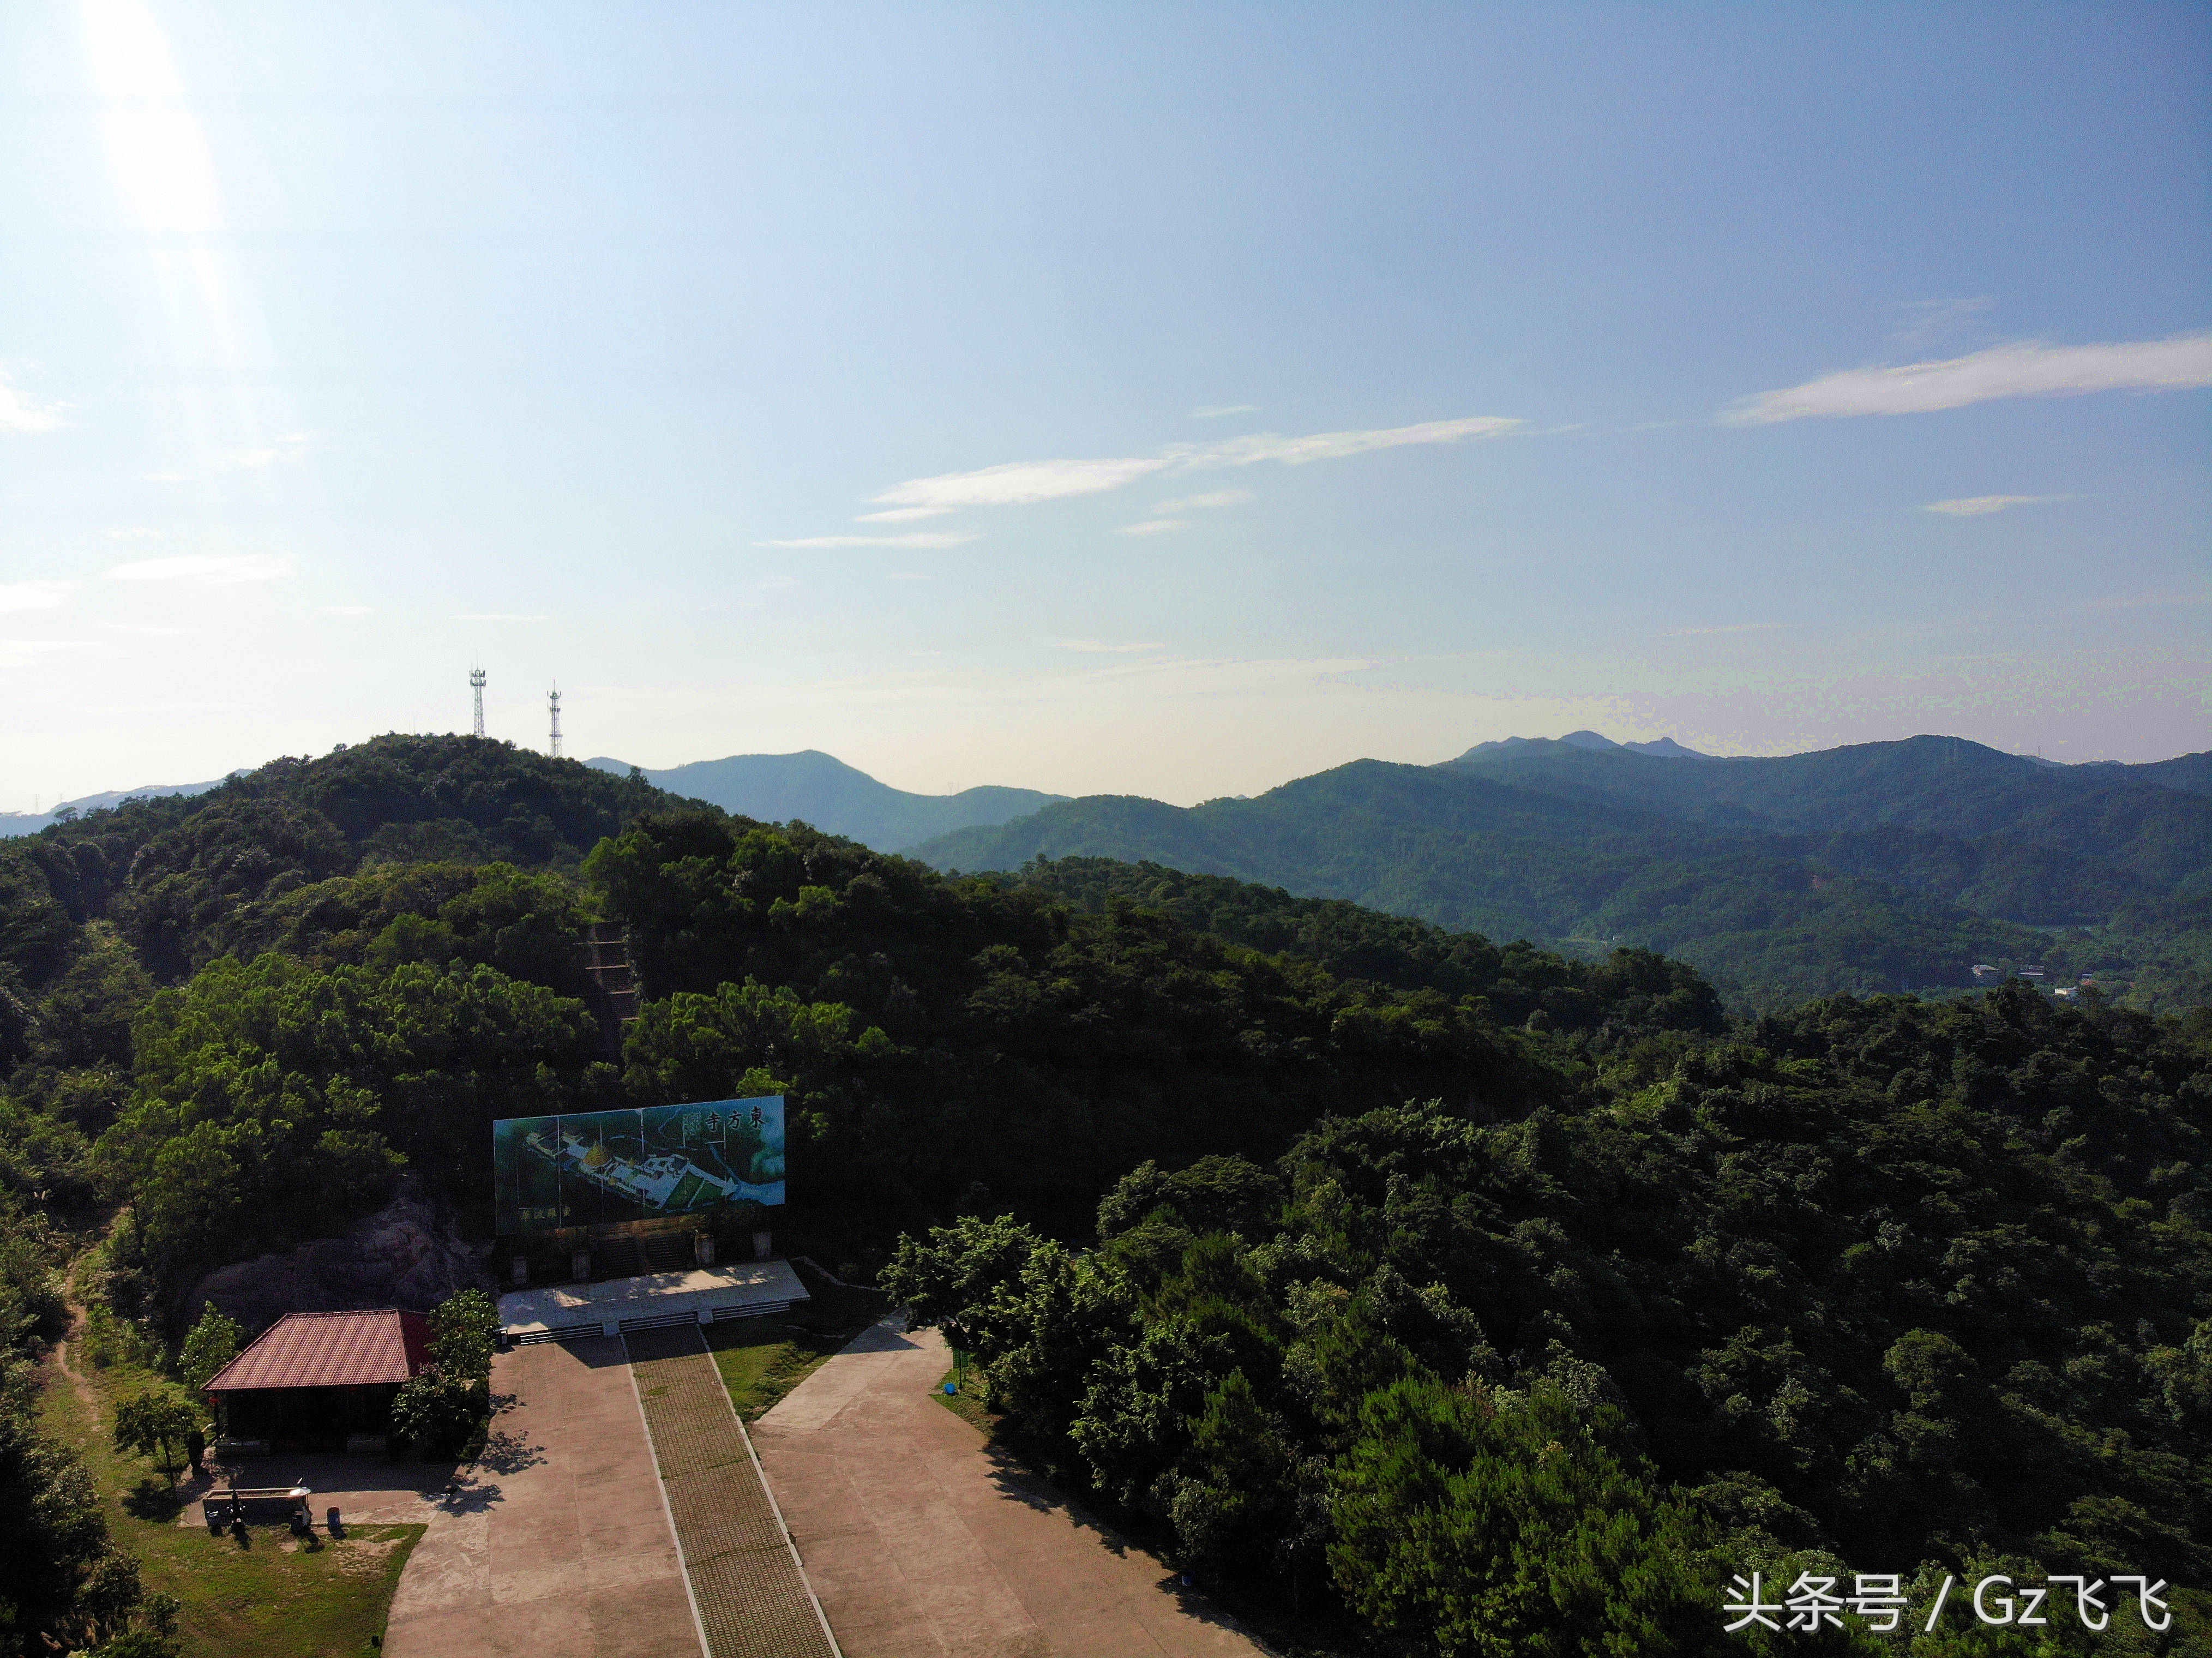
(403, 1256)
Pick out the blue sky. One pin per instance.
(1161, 400)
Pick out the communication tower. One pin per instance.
(553, 704)
(477, 685)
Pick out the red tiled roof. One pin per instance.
(330, 1349)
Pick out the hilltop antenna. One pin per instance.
(553, 703)
(477, 685)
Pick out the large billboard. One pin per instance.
(585, 1168)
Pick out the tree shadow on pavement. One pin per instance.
(506, 1452)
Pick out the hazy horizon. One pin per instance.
(1171, 403)
(51, 803)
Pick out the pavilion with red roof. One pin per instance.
(312, 1380)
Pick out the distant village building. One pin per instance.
(2032, 973)
(1983, 970)
(314, 1381)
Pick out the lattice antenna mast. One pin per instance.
(553, 706)
(477, 685)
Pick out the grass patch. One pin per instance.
(761, 1359)
(967, 1404)
(273, 1597)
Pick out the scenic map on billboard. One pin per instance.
(583, 1168)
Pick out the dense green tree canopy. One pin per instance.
(1893, 1282)
(938, 1034)
(1632, 986)
(271, 1102)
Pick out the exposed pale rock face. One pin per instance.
(402, 1255)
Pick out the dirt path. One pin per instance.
(923, 1542)
(62, 1363)
(62, 1348)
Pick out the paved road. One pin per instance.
(923, 1543)
(560, 1547)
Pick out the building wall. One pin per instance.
(305, 1418)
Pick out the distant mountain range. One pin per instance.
(30, 822)
(1871, 866)
(825, 791)
(812, 785)
(1665, 748)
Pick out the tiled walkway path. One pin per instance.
(752, 1599)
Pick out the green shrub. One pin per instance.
(438, 1414)
(212, 1343)
(462, 1331)
(156, 1421)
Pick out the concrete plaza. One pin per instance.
(611, 1306)
(923, 1542)
(559, 1545)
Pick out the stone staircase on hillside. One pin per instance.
(614, 998)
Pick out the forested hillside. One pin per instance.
(1887, 866)
(982, 1040)
(246, 1015)
(1876, 1287)
(1414, 1259)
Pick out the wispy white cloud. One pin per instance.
(1979, 506)
(1101, 646)
(33, 595)
(1198, 503)
(1155, 526)
(500, 616)
(1023, 482)
(1019, 482)
(1339, 445)
(143, 630)
(2027, 368)
(902, 514)
(213, 569)
(19, 413)
(291, 446)
(344, 610)
(1222, 410)
(1921, 323)
(22, 652)
(920, 538)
